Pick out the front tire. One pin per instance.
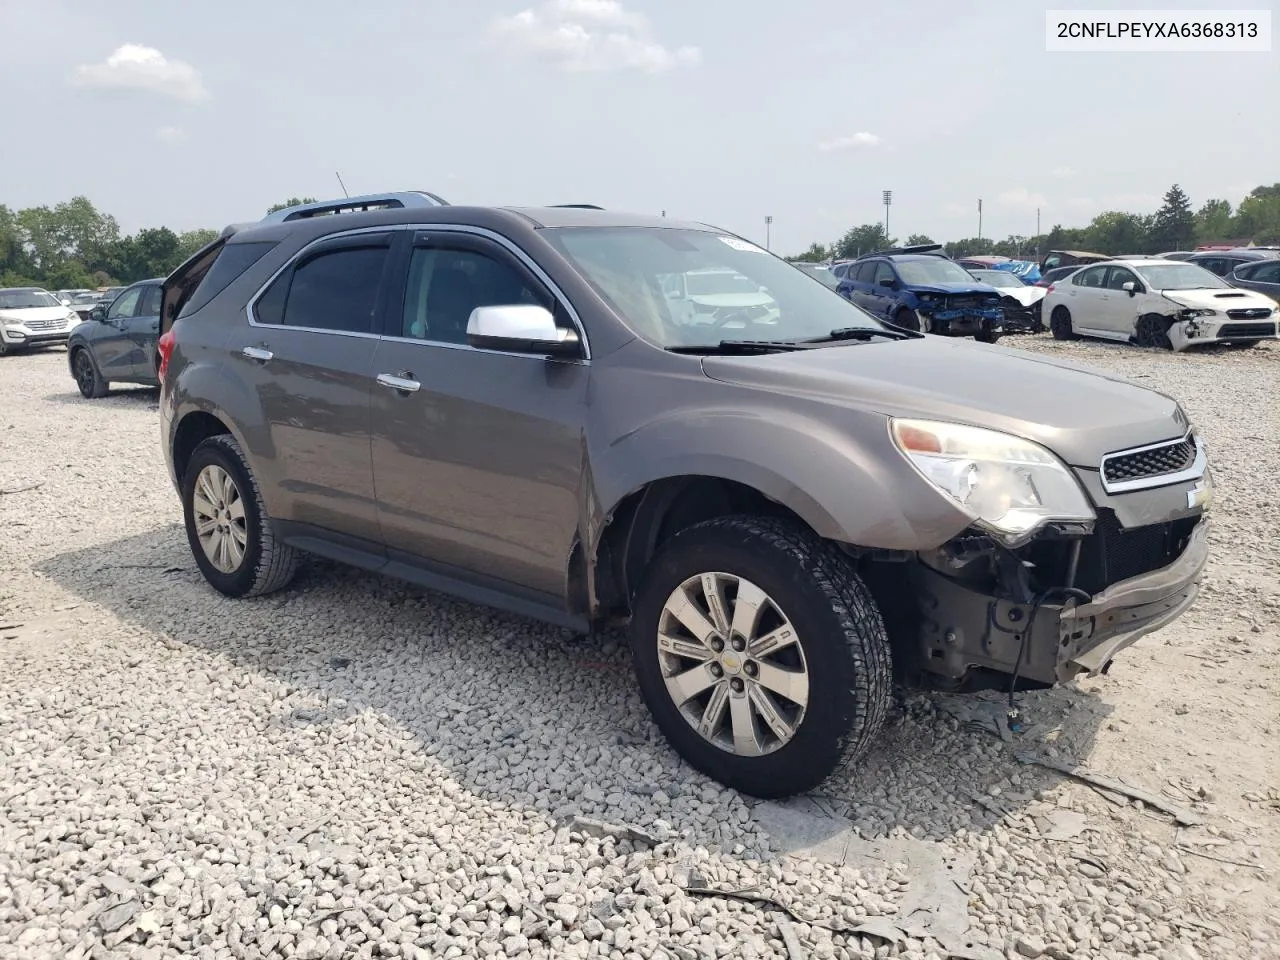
(1152, 330)
(913, 320)
(89, 379)
(1060, 325)
(760, 654)
(228, 529)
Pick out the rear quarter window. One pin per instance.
(232, 260)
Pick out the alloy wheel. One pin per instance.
(220, 519)
(732, 664)
(84, 373)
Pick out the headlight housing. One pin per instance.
(1199, 312)
(1010, 486)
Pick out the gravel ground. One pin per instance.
(357, 768)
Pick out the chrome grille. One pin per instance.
(1252, 313)
(1156, 461)
(53, 323)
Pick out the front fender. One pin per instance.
(853, 487)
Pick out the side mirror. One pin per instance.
(98, 313)
(65, 302)
(521, 328)
(887, 282)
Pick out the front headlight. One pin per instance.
(926, 298)
(1199, 312)
(1010, 486)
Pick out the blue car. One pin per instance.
(924, 291)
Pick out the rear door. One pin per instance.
(307, 352)
(1262, 277)
(112, 347)
(882, 292)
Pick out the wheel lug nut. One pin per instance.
(717, 645)
(738, 644)
(751, 669)
(736, 684)
(717, 670)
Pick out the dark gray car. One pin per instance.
(117, 344)
(790, 507)
(1261, 276)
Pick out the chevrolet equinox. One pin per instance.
(791, 509)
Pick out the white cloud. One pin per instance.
(146, 70)
(1062, 172)
(855, 142)
(171, 134)
(585, 36)
(1021, 197)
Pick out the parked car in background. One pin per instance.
(724, 299)
(1222, 262)
(1260, 276)
(819, 271)
(1057, 273)
(32, 317)
(84, 303)
(65, 297)
(981, 263)
(1067, 258)
(926, 292)
(1157, 303)
(1020, 301)
(1176, 255)
(493, 403)
(118, 343)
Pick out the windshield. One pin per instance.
(1181, 276)
(630, 267)
(26, 299)
(933, 270)
(822, 273)
(998, 278)
(711, 283)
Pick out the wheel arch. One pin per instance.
(191, 429)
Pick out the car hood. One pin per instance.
(27, 314)
(1076, 411)
(975, 287)
(1024, 295)
(1216, 299)
(731, 299)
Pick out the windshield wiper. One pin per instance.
(740, 347)
(859, 333)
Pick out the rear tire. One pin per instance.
(1152, 330)
(1060, 325)
(89, 379)
(228, 529)
(815, 618)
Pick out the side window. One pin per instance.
(883, 272)
(232, 260)
(1118, 277)
(1093, 277)
(125, 305)
(1266, 272)
(446, 284)
(150, 302)
(332, 290)
(1214, 265)
(866, 272)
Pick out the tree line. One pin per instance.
(73, 245)
(1175, 226)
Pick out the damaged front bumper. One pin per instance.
(964, 631)
(1188, 330)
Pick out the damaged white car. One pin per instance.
(1158, 303)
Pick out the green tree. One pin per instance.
(1117, 232)
(863, 239)
(918, 240)
(291, 202)
(1258, 215)
(1213, 222)
(815, 254)
(970, 247)
(193, 240)
(1173, 227)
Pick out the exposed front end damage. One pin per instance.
(963, 313)
(1019, 318)
(1075, 596)
(1193, 327)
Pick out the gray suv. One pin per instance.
(792, 506)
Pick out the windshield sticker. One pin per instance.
(740, 245)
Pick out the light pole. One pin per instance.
(887, 196)
(979, 218)
(768, 224)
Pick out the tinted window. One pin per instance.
(1118, 277)
(333, 290)
(445, 285)
(1093, 277)
(232, 260)
(126, 304)
(150, 306)
(883, 272)
(866, 272)
(1266, 272)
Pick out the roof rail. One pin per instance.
(576, 206)
(930, 249)
(373, 201)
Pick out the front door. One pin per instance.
(477, 454)
(112, 348)
(308, 354)
(1119, 312)
(143, 330)
(1088, 298)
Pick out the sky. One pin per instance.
(724, 111)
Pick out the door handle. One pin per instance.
(401, 384)
(257, 353)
